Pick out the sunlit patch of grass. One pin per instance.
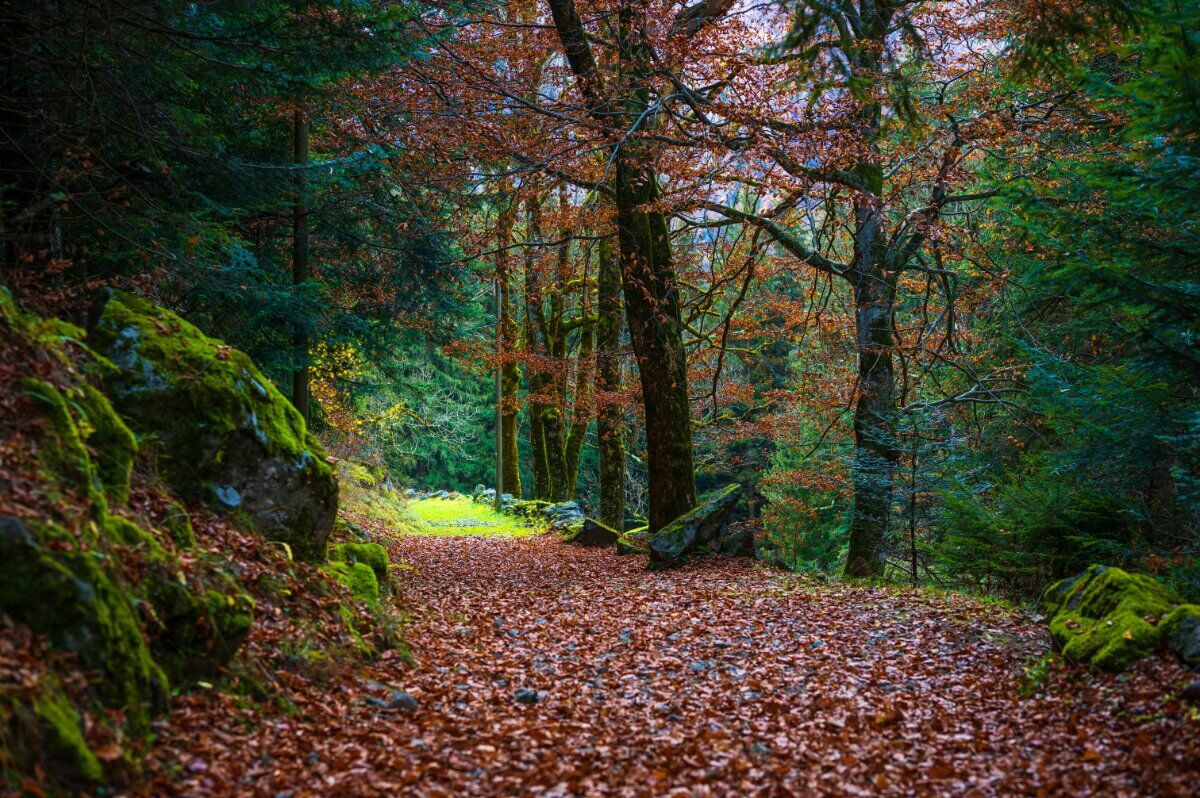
(460, 517)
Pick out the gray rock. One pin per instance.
(671, 546)
(1185, 639)
(223, 433)
(527, 696)
(590, 534)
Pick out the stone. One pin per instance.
(590, 533)
(671, 546)
(372, 555)
(527, 696)
(1185, 634)
(1111, 618)
(226, 434)
(738, 542)
(635, 541)
(79, 602)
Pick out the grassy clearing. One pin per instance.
(365, 501)
(461, 516)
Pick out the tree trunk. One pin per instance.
(874, 285)
(652, 298)
(610, 425)
(510, 372)
(581, 413)
(874, 411)
(655, 331)
(535, 346)
(300, 267)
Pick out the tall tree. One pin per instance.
(610, 423)
(624, 109)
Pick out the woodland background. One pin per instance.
(930, 268)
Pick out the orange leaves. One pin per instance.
(720, 679)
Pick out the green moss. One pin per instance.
(1108, 617)
(106, 434)
(358, 577)
(62, 456)
(74, 599)
(195, 628)
(228, 435)
(48, 335)
(361, 474)
(216, 385)
(178, 525)
(671, 545)
(61, 732)
(371, 554)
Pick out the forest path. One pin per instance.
(546, 669)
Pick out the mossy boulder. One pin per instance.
(194, 627)
(370, 554)
(674, 543)
(590, 533)
(76, 599)
(62, 459)
(46, 730)
(1184, 634)
(111, 443)
(177, 523)
(227, 435)
(1110, 618)
(358, 577)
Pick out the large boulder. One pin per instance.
(228, 436)
(674, 543)
(1110, 618)
(80, 603)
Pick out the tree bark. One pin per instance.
(874, 410)
(610, 422)
(581, 412)
(874, 285)
(510, 369)
(648, 278)
(300, 265)
(535, 346)
(655, 332)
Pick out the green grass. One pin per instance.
(460, 517)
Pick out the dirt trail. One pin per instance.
(549, 670)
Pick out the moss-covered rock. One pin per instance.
(194, 628)
(1184, 639)
(177, 523)
(63, 460)
(634, 541)
(590, 534)
(76, 600)
(370, 554)
(228, 436)
(674, 543)
(60, 732)
(112, 443)
(1110, 618)
(358, 577)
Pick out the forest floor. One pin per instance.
(544, 669)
